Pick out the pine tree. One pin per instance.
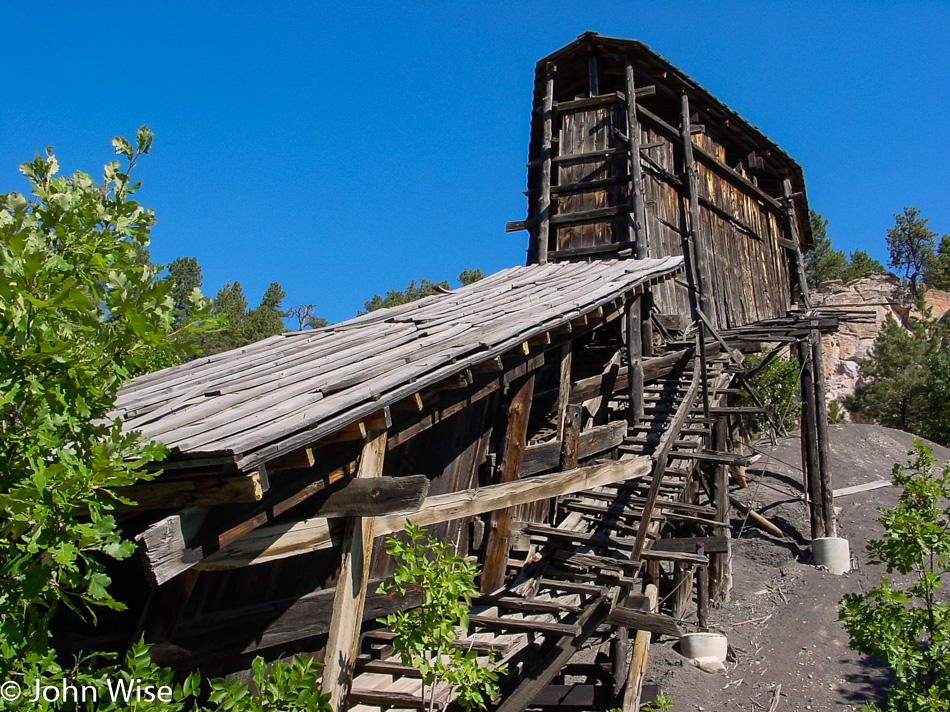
(860, 264)
(184, 275)
(937, 270)
(823, 262)
(911, 245)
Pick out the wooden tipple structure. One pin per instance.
(568, 423)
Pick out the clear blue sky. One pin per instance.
(344, 149)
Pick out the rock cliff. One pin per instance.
(881, 294)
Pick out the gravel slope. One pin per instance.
(782, 617)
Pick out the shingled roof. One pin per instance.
(260, 401)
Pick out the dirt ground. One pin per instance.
(781, 620)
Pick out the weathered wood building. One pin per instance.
(568, 423)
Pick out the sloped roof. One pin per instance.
(286, 391)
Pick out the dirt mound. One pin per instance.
(782, 619)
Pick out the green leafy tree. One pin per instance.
(903, 377)
(861, 264)
(907, 622)
(80, 314)
(910, 244)
(778, 384)
(937, 270)
(425, 636)
(823, 262)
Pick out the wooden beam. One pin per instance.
(570, 437)
(164, 542)
(564, 386)
(809, 437)
(284, 540)
(633, 619)
(200, 491)
(636, 193)
(175, 544)
(544, 199)
(798, 262)
(512, 453)
(593, 441)
(634, 337)
(821, 431)
(632, 695)
(373, 497)
(298, 459)
(350, 597)
(700, 264)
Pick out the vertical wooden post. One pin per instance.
(547, 138)
(636, 197)
(638, 662)
(499, 524)
(698, 257)
(572, 430)
(702, 593)
(634, 329)
(799, 263)
(719, 563)
(593, 82)
(810, 466)
(646, 323)
(821, 422)
(564, 387)
(350, 596)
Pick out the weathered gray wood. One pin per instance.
(633, 619)
(564, 386)
(866, 487)
(543, 669)
(821, 431)
(200, 491)
(634, 360)
(547, 154)
(590, 442)
(285, 540)
(286, 409)
(350, 597)
(661, 455)
(798, 262)
(701, 263)
(638, 223)
(570, 437)
(163, 544)
(374, 497)
(810, 446)
(632, 694)
(512, 453)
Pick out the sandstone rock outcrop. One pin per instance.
(881, 294)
